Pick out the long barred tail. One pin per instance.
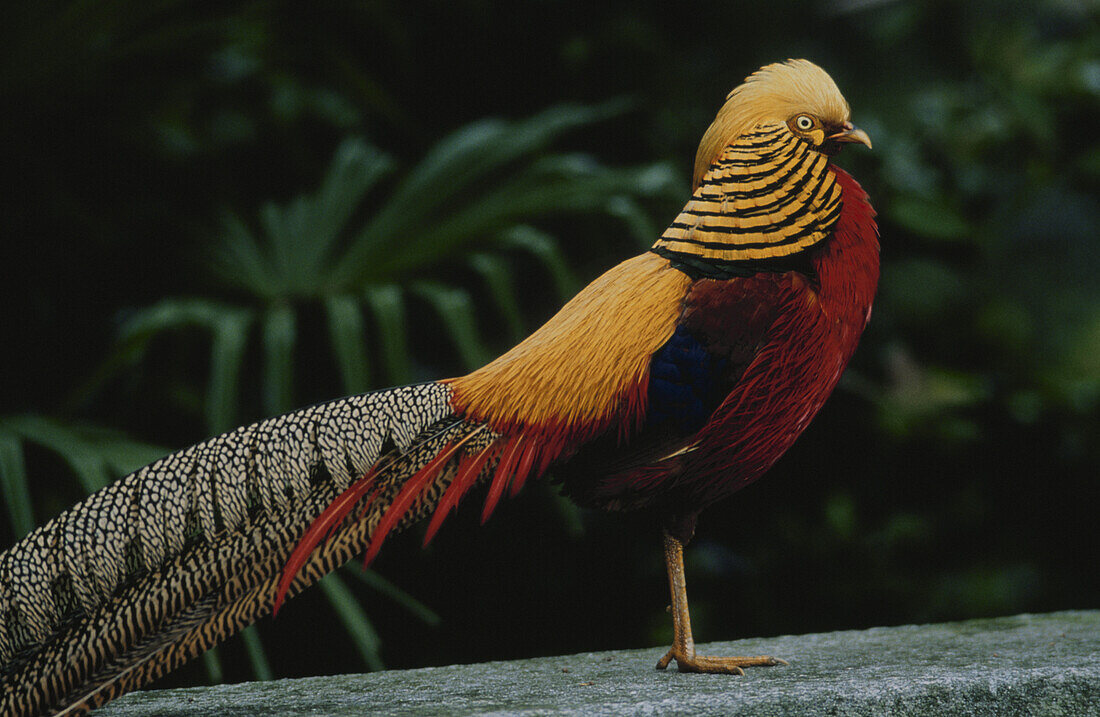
(168, 561)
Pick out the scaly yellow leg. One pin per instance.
(683, 644)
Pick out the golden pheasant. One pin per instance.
(673, 380)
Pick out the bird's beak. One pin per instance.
(851, 133)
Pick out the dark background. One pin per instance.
(163, 170)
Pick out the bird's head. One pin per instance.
(795, 93)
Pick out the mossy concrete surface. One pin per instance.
(1023, 665)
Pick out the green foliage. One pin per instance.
(95, 456)
(988, 220)
(469, 200)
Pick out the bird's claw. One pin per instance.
(716, 665)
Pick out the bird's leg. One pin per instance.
(683, 644)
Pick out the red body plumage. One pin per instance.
(814, 334)
(789, 337)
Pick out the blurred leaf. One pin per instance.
(124, 456)
(146, 323)
(212, 662)
(483, 159)
(1089, 162)
(1083, 358)
(389, 311)
(1007, 323)
(356, 169)
(95, 455)
(230, 340)
(355, 621)
(456, 313)
(543, 247)
(922, 291)
(920, 396)
(293, 257)
(241, 261)
(568, 512)
(840, 515)
(386, 588)
(984, 590)
(638, 223)
(904, 529)
(261, 668)
(279, 332)
(931, 219)
(464, 158)
(83, 457)
(13, 483)
(349, 341)
(498, 279)
(472, 188)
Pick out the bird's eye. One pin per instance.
(804, 123)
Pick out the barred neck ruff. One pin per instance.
(768, 196)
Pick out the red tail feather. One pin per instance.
(501, 477)
(525, 465)
(319, 530)
(404, 499)
(468, 471)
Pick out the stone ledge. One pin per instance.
(1026, 665)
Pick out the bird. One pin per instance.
(671, 381)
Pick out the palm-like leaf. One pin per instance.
(95, 455)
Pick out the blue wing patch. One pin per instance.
(685, 383)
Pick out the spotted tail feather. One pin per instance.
(163, 564)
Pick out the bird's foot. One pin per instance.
(715, 665)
